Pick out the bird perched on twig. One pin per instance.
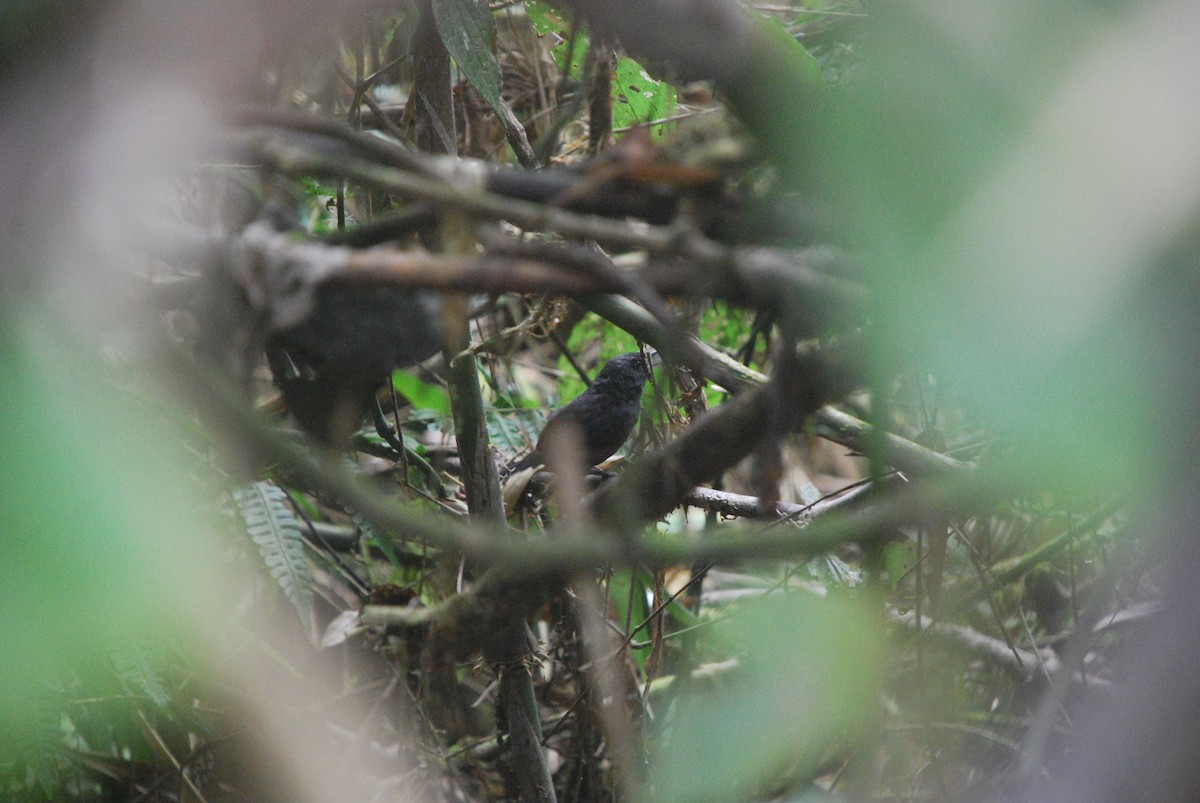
(604, 414)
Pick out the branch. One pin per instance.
(472, 618)
(1026, 664)
(461, 184)
(900, 453)
(714, 365)
(526, 571)
(1007, 571)
(751, 507)
(827, 422)
(719, 440)
(527, 269)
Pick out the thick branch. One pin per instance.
(900, 453)
(719, 440)
(828, 422)
(489, 273)
(460, 185)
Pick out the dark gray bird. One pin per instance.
(604, 414)
(330, 365)
(343, 337)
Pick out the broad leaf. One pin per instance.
(422, 394)
(467, 30)
(638, 98)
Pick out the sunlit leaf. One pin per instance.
(422, 394)
(548, 21)
(639, 98)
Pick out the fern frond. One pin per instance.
(272, 525)
(31, 755)
(139, 666)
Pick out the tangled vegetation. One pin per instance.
(315, 276)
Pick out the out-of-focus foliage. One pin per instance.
(784, 710)
(104, 548)
(1016, 185)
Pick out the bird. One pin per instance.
(330, 365)
(331, 341)
(604, 414)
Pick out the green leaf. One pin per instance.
(102, 539)
(619, 592)
(31, 755)
(547, 20)
(139, 666)
(273, 527)
(544, 17)
(511, 430)
(804, 64)
(422, 394)
(638, 98)
(834, 573)
(805, 684)
(369, 532)
(467, 30)
(898, 559)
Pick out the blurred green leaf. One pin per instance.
(898, 559)
(807, 684)
(802, 62)
(1001, 247)
(139, 666)
(633, 607)
(101, 544)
